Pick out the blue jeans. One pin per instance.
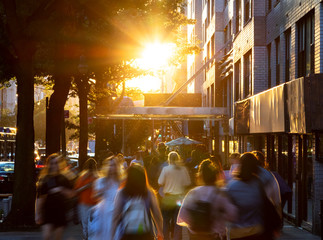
(170, 228)
(84, 216)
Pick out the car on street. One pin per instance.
(6, 177)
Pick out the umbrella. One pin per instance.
(182, 141)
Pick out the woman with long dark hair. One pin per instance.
(53, 190)
(135, 208)
(246, 193)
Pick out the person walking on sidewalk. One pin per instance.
(105, 189)
(269, 181)
(175, 180)
(135, 208)
(247, 192)
(53, 190)
(84, 186)
(206, 209)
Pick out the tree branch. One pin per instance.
(43, 11)
(13, 23)
(10, 59)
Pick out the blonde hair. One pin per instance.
(235, 155)
(106, 167)
(174, 159)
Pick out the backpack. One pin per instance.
(201, 219)
(136, 217)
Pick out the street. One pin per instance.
(73, 232)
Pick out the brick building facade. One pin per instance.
(268, 65)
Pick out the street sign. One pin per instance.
(66, 113)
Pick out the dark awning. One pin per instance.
(292, 107)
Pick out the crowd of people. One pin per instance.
(156, 196)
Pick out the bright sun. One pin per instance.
(145, 84)
(155, 57)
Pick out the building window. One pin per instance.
(193, 9)
(212, 46)
(238, 16)
(203, 38)
(277, 41)
(247, 84)
(230, 91)
(269, 5)
(212, 96)
(208, 11)
(192, 70)
(237, 80)
(208, 51)
(205, 60)
(212, 8)
(269, 64)
(205, 31)
(193, 39)
(229, 30)
(247, 10)
(208, 97)
(225, 93)
(306, 45)
(225, 34)
(287, 55)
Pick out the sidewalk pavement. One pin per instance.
(73, 232)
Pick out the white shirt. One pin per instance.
(175, 179)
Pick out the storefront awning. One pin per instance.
(292, 107)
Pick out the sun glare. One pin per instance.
(156, 56)
(145, 84)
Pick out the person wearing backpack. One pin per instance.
(206, 209)
(136, 212)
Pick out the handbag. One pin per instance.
(272, 220)
(201, 218)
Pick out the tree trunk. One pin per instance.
(54, 113)
(82, 85)
(23, 204)
(63, 69)
(101, 125)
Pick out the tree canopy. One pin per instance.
(48, 38)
